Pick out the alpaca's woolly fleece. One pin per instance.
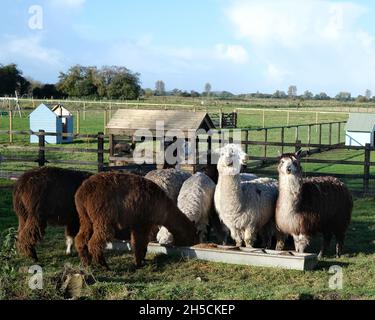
(245, 207)
(195, 200)
(170, 180)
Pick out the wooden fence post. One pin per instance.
(264, 119)
(78, 122)
(235, 118)
(265, 140)
(42, 152)
(297, 133)
(366, 176)
(330, 133)
(221, 118)
(298, 145)
(247, 140)
(282, 139)
(100, 151)
(320, 134)
(339, 133)
(105, 120)
(309, 135)
(10, 126)
(209, 150)
(84, 111)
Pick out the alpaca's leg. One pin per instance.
(139, 242)
(82, 239)
(325, 244)
(71, 231)
(202, 233)
(32, 231)
(301, 241)
(103, 233)
(236, 236)
(250, 236)
(339, 244)
(280, 240)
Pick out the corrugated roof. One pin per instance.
(361, 122)
(125, 120)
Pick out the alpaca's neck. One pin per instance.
(289, 191)
(231, 185)
(182, 229)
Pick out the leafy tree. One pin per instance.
(368, 94)
(194, 94)
(362, 99)
(344, 96)
(11, 80)
(175, 92)
(322, 96)
(111, 82)
(308, 95)
(292, 92)
(160, 88)
(207, 89)
(279, 95)
(120, 82)
(79, 81)
(47, 91)
(148, 93)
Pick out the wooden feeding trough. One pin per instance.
(233, 255)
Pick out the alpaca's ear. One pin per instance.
(299, 153)
(279, 154)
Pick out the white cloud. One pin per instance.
(68, 3)
(276, 74)
(317, 43)
(293, 22)
(233, 53)
(29, 49)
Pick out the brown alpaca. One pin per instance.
(45, 196)
(109, 200)
(311, 205)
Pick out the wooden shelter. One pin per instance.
(126, 126)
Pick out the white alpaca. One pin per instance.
(170, 180)
(195, 200)
(245, 207)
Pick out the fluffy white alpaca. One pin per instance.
(195, 200)
(170, 180)
(245, 207)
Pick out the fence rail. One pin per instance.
(247, 141)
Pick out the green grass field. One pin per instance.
(173, 278)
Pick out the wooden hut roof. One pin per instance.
(361, 122)
(126, 121)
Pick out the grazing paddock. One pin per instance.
(174, 278)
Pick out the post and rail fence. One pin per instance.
(263, 159)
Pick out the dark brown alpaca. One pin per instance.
(45, 196)
(109, 200)
(308, 206)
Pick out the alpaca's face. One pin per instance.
(289, 165)
(231, 159)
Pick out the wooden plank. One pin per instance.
(244, 256)
(73, 162)
(366, 168)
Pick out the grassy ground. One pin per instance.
(174, 278)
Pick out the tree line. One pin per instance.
(120, 83)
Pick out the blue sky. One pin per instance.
(236, 45)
